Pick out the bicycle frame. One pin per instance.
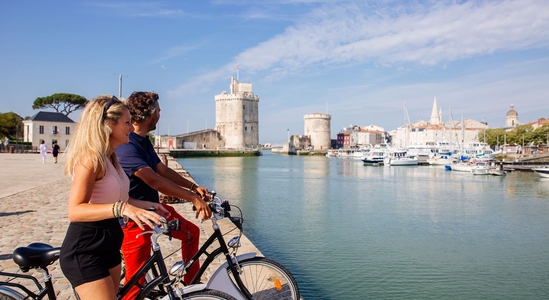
(46, 290)
(220, 280)
(156, 265)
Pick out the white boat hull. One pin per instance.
(462, 167)
(497, 172)
(481, 171)
(402, 162)
(543, 172)
(439, 162)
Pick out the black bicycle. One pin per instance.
(39, 256)
(245, 276)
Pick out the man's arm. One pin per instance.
(168, 187)
(173, 176)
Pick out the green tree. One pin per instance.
(519, 135)
(10, 122)
(495, 136)
(541, 135)
(61, 102)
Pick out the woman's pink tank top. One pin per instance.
(112, 188)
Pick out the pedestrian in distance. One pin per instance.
(55, 151)
(43, 151)
(149, 175)
(90, 253)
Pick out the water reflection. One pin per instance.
(349, 231)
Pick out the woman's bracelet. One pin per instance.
(116, 215)
(121, 209)
(113, 209)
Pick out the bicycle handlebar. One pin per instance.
(218, 206)
(164, 228)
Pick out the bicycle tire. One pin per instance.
(207, 295)
(267, 279)
(6, 296)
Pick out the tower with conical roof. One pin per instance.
(435, 116)
(511, 119)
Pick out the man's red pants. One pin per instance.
(136, 251)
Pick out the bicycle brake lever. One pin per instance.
(144, 232)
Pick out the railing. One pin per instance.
(18, 148)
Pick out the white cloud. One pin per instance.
(353, 33)
(138, 9)
(174, 52)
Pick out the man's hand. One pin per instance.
(201, 207)
(203, 192)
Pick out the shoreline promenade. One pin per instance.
(33, 208)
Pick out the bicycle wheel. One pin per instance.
(208, 295)
(8, 294)
(267, 279)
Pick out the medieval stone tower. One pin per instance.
(237, 116)
(317, 126)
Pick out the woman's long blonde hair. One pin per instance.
(90, 142)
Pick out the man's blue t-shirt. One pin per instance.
(138, 153)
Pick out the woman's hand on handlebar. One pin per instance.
(160, 209)
(142, 216)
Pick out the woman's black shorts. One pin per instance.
(90, 249)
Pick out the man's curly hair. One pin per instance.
(142, 105)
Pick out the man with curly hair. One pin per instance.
(148, 176)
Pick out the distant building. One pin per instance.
(344, 139)
(202, 139)
(354, 137)
(49, 127)
(436, 131)
(237, 116)
(367, 136)
(511, 119)
(540, 122)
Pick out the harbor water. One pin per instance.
(349, 231)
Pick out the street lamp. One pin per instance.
(16, 136)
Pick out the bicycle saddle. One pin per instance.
(35, 255)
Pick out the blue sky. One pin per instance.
(359, 61)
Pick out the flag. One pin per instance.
(237, 66)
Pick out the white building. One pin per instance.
(237, 116)
(48, 127)
(367, 136)
(511, 119)
(360, 136)
(436, 131)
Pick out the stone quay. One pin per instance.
(33, 208)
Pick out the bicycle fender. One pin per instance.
(221, 281)
(193, 288)
(9, 292)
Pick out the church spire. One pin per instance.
(435, 117)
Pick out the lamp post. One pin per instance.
(16, 136)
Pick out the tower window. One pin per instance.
(246, 128)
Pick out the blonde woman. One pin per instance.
(90, 254)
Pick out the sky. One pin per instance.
(363, 62)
